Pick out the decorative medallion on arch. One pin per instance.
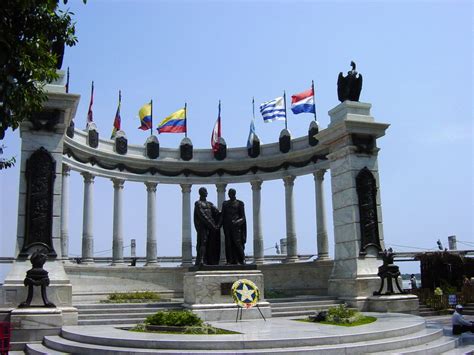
(121, 145)
(40, 174)
(369, 225)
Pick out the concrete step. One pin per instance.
(295, 306)
(302, 298)
(292, 313)
(40, 349)
(422, 339)
(121, 316)
(127, 309)
(436, 346)
(96, 306)
(305, 303)
(111, 321)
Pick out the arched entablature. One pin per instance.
(203, 168)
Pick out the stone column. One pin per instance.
(258, 254)
(151, 257)
(221, 188)
(117, 236)
(88, 219)
(351, 141)
(65, 212)
(321, 231)
(186, 245)
(292, 253)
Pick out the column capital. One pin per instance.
(66, 170)
(88, 177)
(151, 186)
(186, 188)
(256, 184)
(221, 186)
(289, 180)
(118, 183)
(319, 174)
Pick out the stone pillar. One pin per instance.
(65, 212)
(88, 219)
(258, 253)
(186, 245)
(117, 236)
(40, 166)
(321, 231)
(221, 188)
(292, 248)
(151, 257)
(351, 141)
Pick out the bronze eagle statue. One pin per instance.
(350, 86)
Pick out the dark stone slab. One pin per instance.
(223, 267)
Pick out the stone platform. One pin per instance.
(391, 333)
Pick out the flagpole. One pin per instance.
(219, 118)
(284, 103)
(67, 81)
(151, 114)
(185, 120)
(314, 101)
(253, 108)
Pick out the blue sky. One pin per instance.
(416, 60)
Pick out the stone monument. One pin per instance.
(207, 285)
(39, 220)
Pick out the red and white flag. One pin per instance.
(89, 113)
(216, 132)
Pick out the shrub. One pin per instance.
(174, 318)
(122, 297)
(271, 293)
(342, 314)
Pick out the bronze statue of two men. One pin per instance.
(208, 221)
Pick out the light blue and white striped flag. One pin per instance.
(273, 110)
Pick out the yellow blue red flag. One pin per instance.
(174, 123)
(145, 115)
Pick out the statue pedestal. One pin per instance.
(15, 292)
(208, 294)
(32, 324)
(399, 303)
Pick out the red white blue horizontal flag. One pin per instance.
(303, 102)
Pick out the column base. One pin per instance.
(118, 263)
(293, 259)
(151, 263)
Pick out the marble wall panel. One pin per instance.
(346, 215)
(345, 198)
(347, 232)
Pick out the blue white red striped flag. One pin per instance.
(273, 110)
(303, 102)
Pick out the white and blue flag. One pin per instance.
(251, 134)
(273, 110)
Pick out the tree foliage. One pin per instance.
(33, 34)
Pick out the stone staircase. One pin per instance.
(390, 334)
(301, 305)
(426, 311)
(469, 309)
(120, 313)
